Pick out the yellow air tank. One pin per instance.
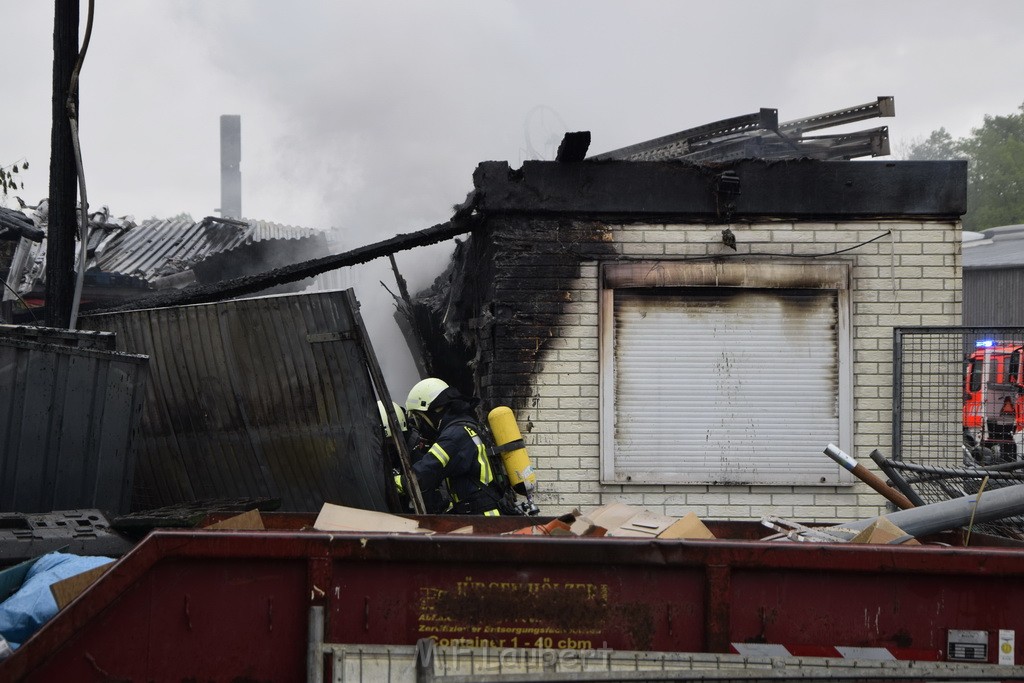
(516, 461)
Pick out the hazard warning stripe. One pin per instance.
(835, 651)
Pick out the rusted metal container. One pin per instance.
(221, 606)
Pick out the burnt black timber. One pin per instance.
(799, 189)
(573, 147)
(14, 225)
(63, 220)
(381, 387)
(250, 284)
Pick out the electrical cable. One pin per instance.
(23, 303)
(713, 257)
(837, 251)
(84, 206)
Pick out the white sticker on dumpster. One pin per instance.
(967, 646)
(1006, 648)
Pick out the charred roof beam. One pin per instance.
(800, 189)
(15, 225)
(573, 147)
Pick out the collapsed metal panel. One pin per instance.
(68, 418)
(262, 397)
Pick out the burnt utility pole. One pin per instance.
(63, 223)
(230, 166)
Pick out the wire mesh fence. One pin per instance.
(958, 409)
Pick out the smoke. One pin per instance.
(369, 118)
(377, 306)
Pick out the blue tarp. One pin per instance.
(33, 605)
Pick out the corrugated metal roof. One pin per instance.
(997, 248)
(260, 397)
(136, 254)
(156, 248)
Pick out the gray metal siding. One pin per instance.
(249, 398)
(993, 297)
(67, 421)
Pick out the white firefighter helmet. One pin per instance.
(424, 393)
(399, 413)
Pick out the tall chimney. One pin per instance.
(230, 166)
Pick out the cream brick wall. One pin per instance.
(910, 276)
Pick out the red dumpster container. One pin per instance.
(223, 606)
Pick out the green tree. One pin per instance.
(995, 187)
(9, 180)
(995, 179)
(938, 146)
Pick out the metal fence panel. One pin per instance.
(68, 420)
(958, 409)
(264, 397)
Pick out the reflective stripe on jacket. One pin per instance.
(459, 456)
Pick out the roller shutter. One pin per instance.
(725, 385)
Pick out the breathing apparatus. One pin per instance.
(429, 394)
(509, 444)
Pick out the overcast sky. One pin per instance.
(369, 117)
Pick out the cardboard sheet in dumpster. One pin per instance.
(341, 518)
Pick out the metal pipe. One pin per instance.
(896, 478)
(315, 650)
(994, 505)
(868, 477)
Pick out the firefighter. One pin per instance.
(457, 455)
(1002, 423)
(435, 500)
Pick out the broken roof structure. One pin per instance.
(14, 225)
(128, 258)
(761, 136)
(673, 332)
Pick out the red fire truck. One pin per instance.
(993, 410)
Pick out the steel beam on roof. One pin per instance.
(872, 142)
(882, 107)
(765, 119)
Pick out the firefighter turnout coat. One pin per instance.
(459, 456)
